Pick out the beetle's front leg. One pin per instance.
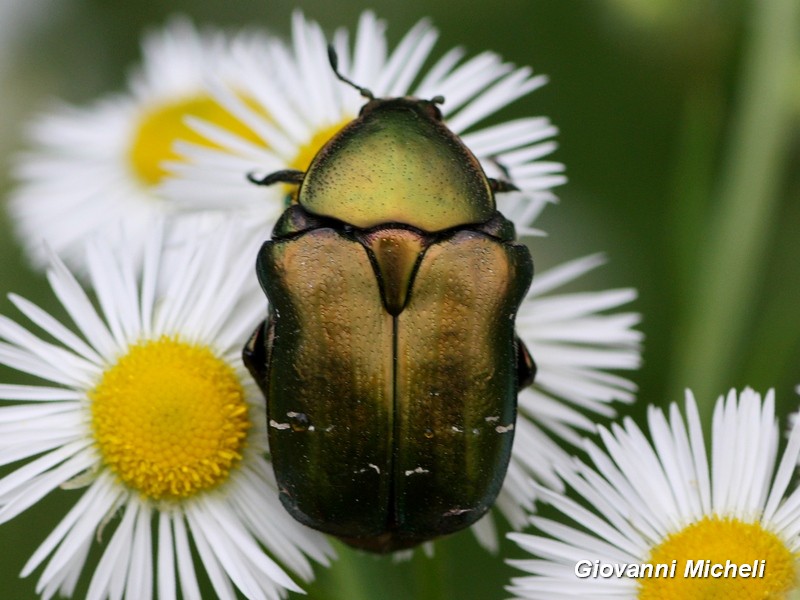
(255, 353)
(284, 176)
(501, 185)
(526, 367)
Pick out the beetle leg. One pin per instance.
(284, 176)
(526, 368)
(502, 185)
(254, 354)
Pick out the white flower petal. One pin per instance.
(36, 486)
(140, 574)
(186, 572)
(112, 571)
(79, 524)
(30, 393)
(166, 585)
(47, 323)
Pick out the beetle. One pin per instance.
(388, 359)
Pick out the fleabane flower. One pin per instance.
(660, 502)
(297, 104)
(146, 406)
(94, 169)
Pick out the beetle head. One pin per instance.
(426, 108)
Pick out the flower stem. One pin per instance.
(727, 276)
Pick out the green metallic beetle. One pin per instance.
(389, 360)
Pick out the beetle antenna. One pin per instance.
(334, 60)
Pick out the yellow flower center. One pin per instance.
(160, 127)
(706, 553)
(170, 419)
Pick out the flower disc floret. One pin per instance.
(170, 418)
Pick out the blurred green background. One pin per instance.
(680, 130)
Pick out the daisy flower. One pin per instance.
(147, 407)
(97, 168)
(659, 503)
(292, 101)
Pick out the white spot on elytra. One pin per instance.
(417, 470)
(276, 425)
(492, 419)
(506, 429)
(454, 512)
(370, 466)
(455, 429)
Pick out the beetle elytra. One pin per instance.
(389, 360)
